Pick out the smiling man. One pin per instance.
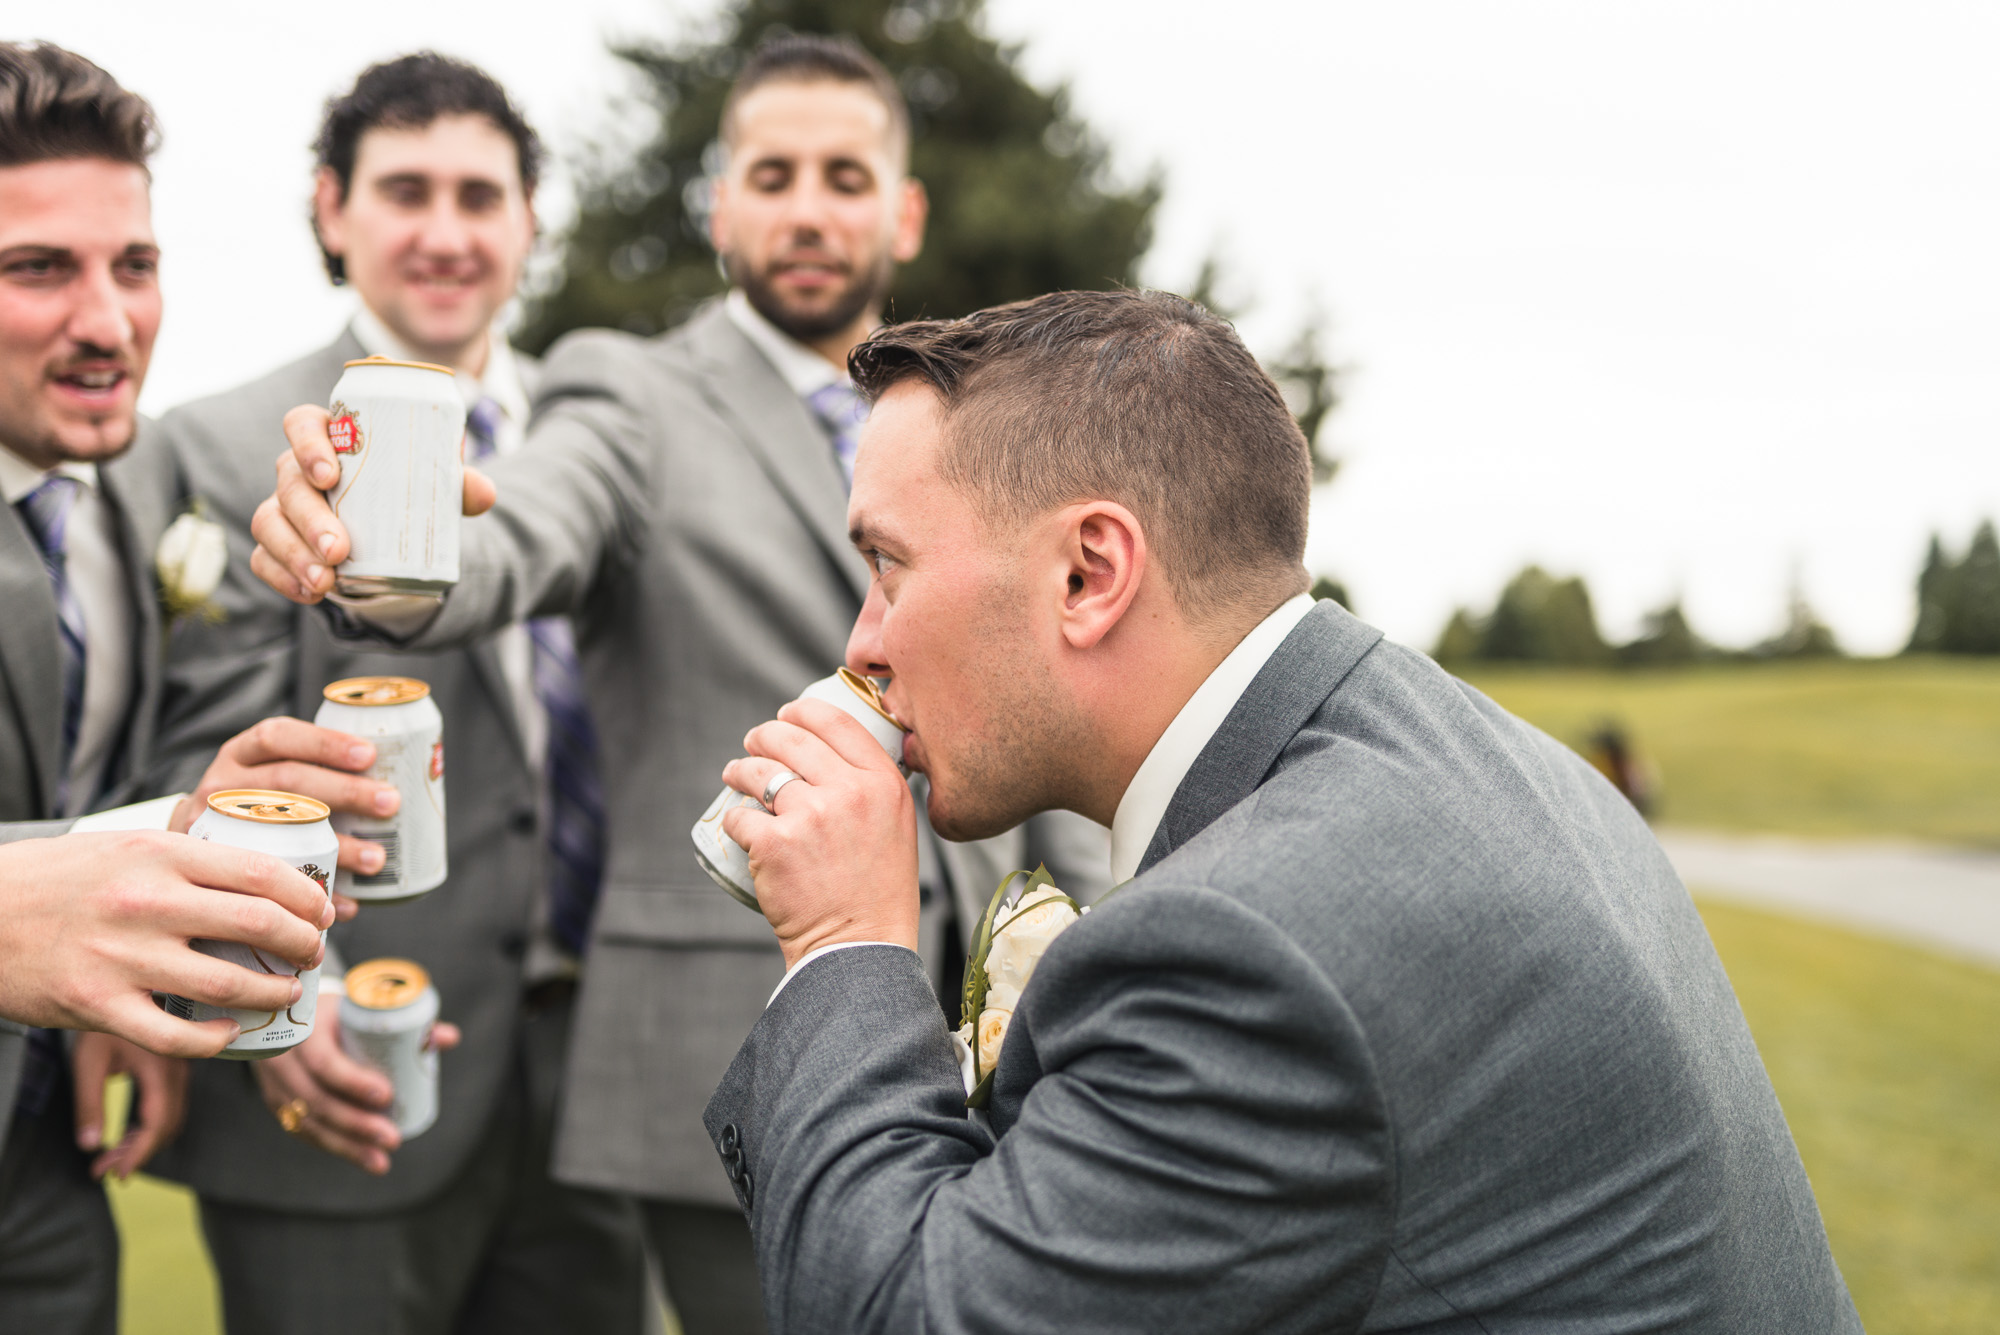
(92, 921)
(684, 496)
(1403, 1022)
(423, 205)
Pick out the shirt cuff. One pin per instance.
(154, 815)
(814, 954)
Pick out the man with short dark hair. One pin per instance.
(1403, 1022)
(423, 204)
(97, 902)
(683, 496)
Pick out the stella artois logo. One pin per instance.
(437, 760)
(343, 430)
(319, 877)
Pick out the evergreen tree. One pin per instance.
(1542, 619)
(1327, 587)
(1665, 637)
(1934, 590)
(1804, 635)
(1973, 626)
(1022, 199)
(1460, 640)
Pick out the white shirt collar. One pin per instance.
(803, 369)
(18, 477)
(1153, 787)
(501, 383)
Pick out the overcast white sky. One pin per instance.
(1680, 296)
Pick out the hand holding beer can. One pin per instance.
(398, 716)
(295, 830)
(398, 432)
(723, 858)
(385, 1022)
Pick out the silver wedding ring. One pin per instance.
(778, 780)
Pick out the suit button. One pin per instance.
(522, 821)
(731, 1143)
(749, 1186)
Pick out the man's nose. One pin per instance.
(864, 642)
(99, 322)
(444, 231)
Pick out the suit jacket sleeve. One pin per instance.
(573, 501)
(10, 831)
(1193, 1139)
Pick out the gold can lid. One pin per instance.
(386, 984)
(870, 692)
(376, 690)
(267, 805)
(391, 361)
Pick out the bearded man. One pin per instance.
(684, 498)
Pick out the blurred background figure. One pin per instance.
(1610, 751)
(423, 204)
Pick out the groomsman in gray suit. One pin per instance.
(1403, 1022)
(92, 921)
(424, 207)
(684, 497)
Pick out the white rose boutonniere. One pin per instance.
(190, 560)
(1018, 927)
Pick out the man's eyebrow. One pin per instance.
(33, 250)
(403, 178)
(865, 533)
(147, 249)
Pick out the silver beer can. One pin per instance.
(293, 829)
(398, 431)
(399, 717)
(722, 857)
(385, 1022)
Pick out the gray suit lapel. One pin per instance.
(29, 656)
(747, 391)
(1320, 651)
(141, 495)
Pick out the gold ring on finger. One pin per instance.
(292, 1116)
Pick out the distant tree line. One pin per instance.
(1958, 602)
(1541, 618)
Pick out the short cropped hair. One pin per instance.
(1143, 398)
(795, 57)
(409, 93)
(54, 104)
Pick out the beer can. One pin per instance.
(399, 717)
(293, 829)
(385, 1022)
(398, 431)
(722, 857)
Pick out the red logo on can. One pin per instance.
(437, 760)
(344, 434)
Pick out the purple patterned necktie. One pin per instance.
(841, 410)
(576, 793)
(46, 511)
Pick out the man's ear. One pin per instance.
(913, 211)
(328, 221)
(1105, 551)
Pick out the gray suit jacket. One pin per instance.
(269, 656)
(139, 487)
(683, 504)
(1405, 1024)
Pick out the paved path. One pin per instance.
(1943, 899)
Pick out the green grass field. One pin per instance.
(1907, 747)
(1885, 1061)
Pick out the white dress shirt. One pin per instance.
(803, 369)
(1159, 776)
(97, 576)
